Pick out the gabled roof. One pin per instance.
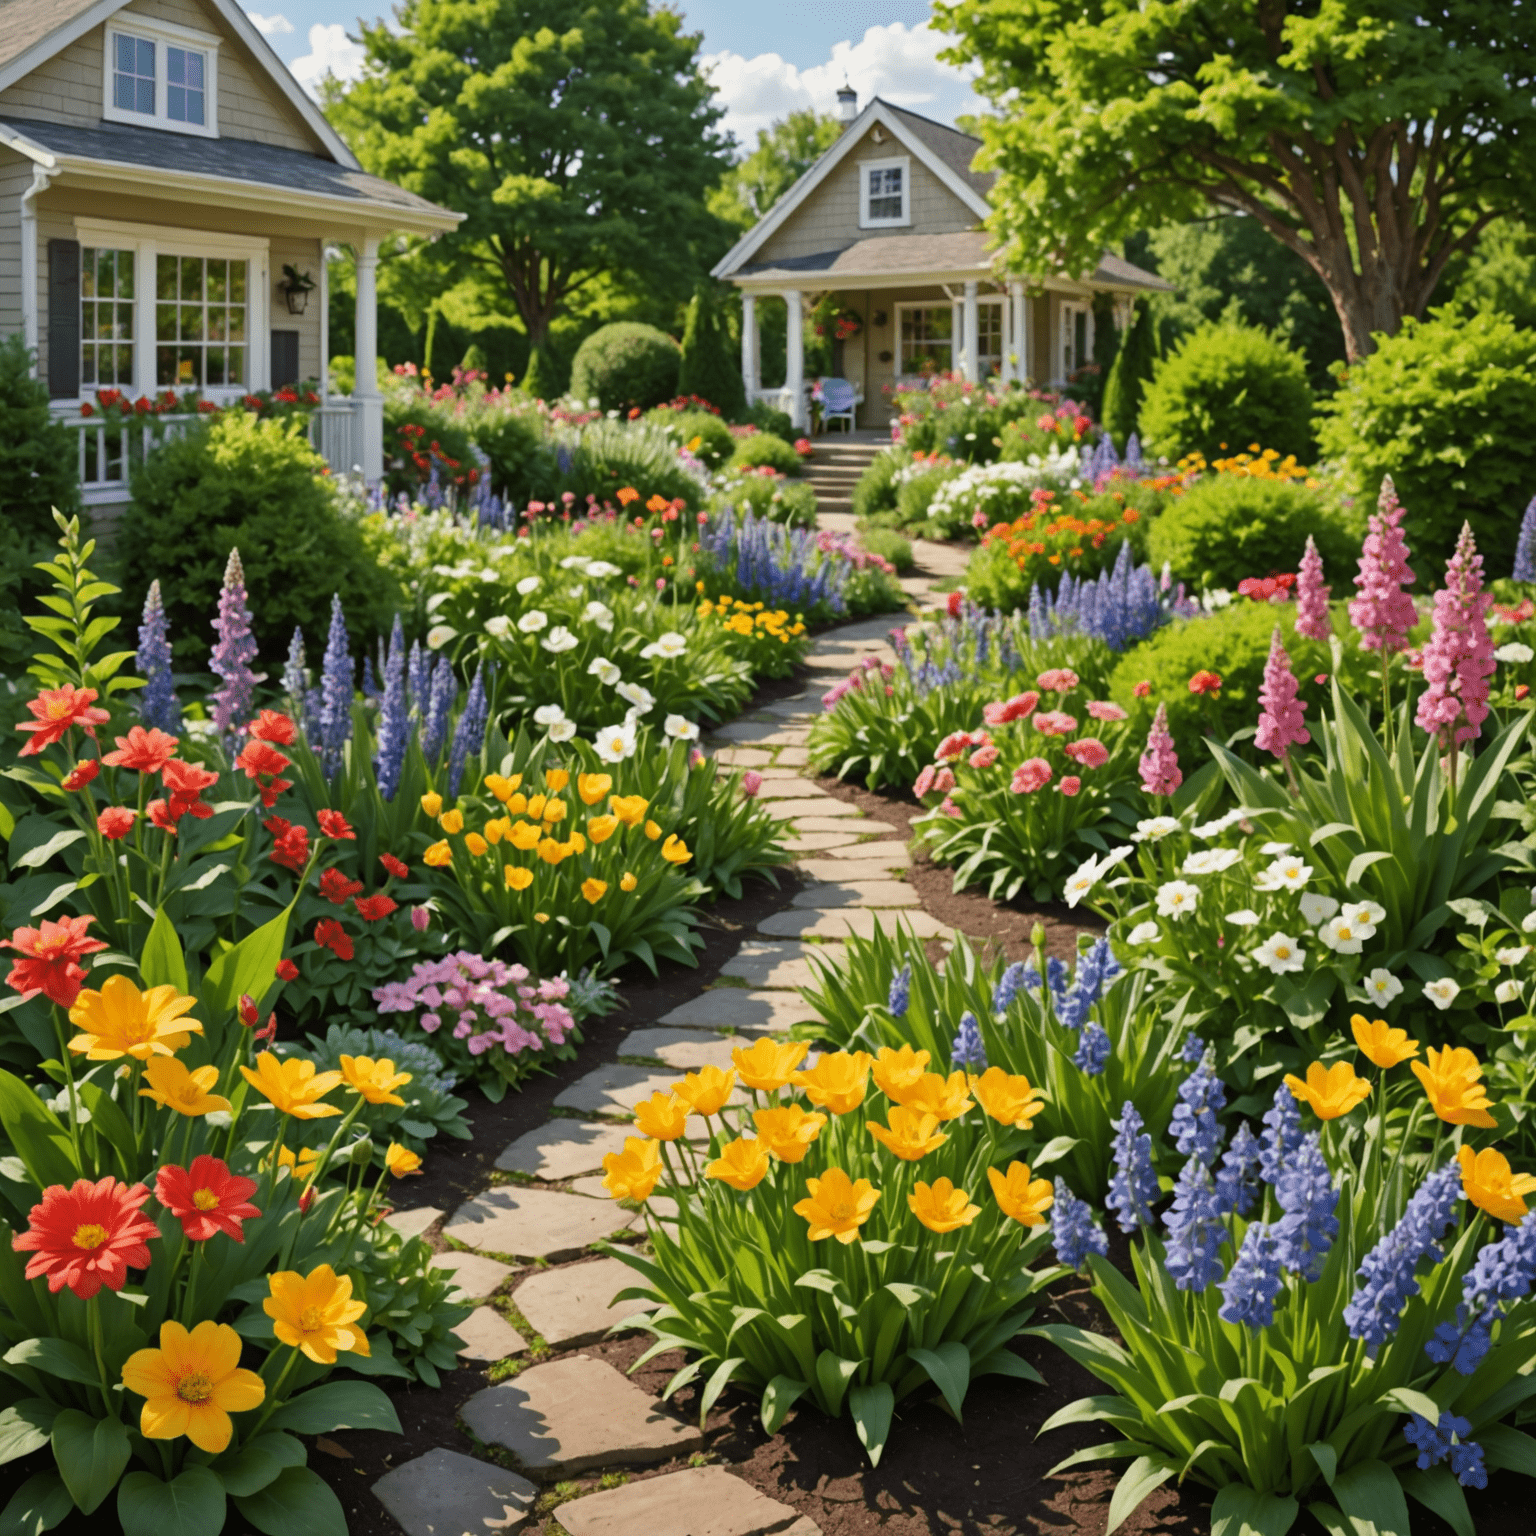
(33, 31)
(940, 149)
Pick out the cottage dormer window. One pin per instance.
(886, 186)
(162, 76)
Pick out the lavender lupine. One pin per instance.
(337, 685)
(1159, 766)
(418, 674)
(1458, 661)
(296, 677)
(1383, 612)
(444, 690)
(469, 733)
(1280, 712)
(1525, 545)
(394, 723)
(159, 707)
(232, 656)
(1312, 596)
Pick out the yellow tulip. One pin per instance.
(525, 835)
(935, 1095)
(496, 829)
(536, 804)
(554, 810)
(601, 828)
(788, 1133)
(552, 852)
(652, 831)
(499, 785)
(401, 1161)
(432, 804)
(517, 805)
(476, 844)
(1008, 1099)
(742, 1164)
(1488, 1183)
(451, 822)
(173, 1086)
(632, 1173)
(576, 843)
(627, 881)
(838, 1206)
(911, 1135)
(941, 1207)
(439, 856)
(293, 1085)
(1018, 1196)
(675, 850)
(593, 786)
(376, 1081)
(1382, 1044)
(555, 779)
(768, 1064)
(594, 890)
(1331, 1091)
(898, 1071)
(630, 809)
(708, 1090)
(1453, 1083)
(663, 1115)
(837, 1081)
(518, 878)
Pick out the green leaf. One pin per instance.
(870, 1409)
(54, 1357)
(1003, 1362)
(91, 1454)
(1143, 1477)
(1239, 1511)
(1056, 1149)
(1509, 1449)
(37, 1506)
(191, 1505)
(337, 1405)
(41, 1140)
(40, 855)
(247, 967)
(244, 1471)
(949, 1368)
(833, 1373)
(1327, 1460)
(294, 1501)
(1372, 1499)
(25, 1427)
(1407, 1400)
(1437, 1490)
(779, 1396)
(719, 1380)
(161, 963)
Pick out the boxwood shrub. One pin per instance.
(766, 448)
(625, 366)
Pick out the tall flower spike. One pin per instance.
(469, 733)
(336, 690)
(1383, 612)
(159, 708)
(1196, 1131)
(444, 690)
(1195, 1229)
(394, 725)
(1160, 773)
(232, 656)
(1312, 596)
(1280, 714)
(1074, 1232)
(1133, 1189)
(296, 676)
(1458, 661)
(1282, 1134)
(419, 675)
(1525, 545)
(1306, 1194)
(968, 1050)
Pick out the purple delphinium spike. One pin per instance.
(418, 675)
(469, 733)
(1525, 545)
(370, 682)
(336, 691)
(444, 690)
(159, 708)
(233, 654)
(393, 731)
(296, 678)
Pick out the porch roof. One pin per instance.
(899, 261)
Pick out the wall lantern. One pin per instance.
(297, 287)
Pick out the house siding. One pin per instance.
(15, 178)
(828, 220)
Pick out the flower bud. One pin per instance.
(1037, 936)
(248, 1011)
(360, 1153)
(421, 918)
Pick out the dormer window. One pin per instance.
(162, 76)
(886, 187)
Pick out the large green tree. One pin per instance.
(578, 136)
(1375, 138)
(785, 151)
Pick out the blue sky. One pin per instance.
(766, 59)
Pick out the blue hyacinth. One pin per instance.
(967, 1050)
(900, 994)
(1095, 968)
(1119, 606)
(1193, 1050)
(1195, 1229)
(1282, 1134)
(1074, 1232)
(159, 707)
(782, 566)
(1502, 1274)
(1306, 1194)
(1057, 975)
(418, 674)
(1435, 1443)
(1254, 1281)
(1387, 1273)
(1007, 988)
(1237, 1182)
(1525, 545)
(440, 696)
(1194, 1126)
(1093, 1049)
(337, 687)
(394, 723)
(1133, 1188)
(469, 733)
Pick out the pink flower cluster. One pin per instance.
(1383, 612)
(473, 991)
(855, 680)
(1280, 715)
(1312, 596)
(1458, 661)
(958, 743)
(1020, 707)
(1160, 772)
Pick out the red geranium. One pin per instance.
(116, 821)
(329, 934)
(334, 824)
(87, 1236)
(1205, 682)
(186, 782)
(954, 603)
(270, 725)
(145, 751)
(372, 908)
(82, 774)
(206, 1198)
(263, 763)
(290, 844)
(56, 711)
(336, 888)
(51, 956)
(394, 866)
(287, 970)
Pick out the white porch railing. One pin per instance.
(334, 430)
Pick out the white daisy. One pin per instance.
(1442, 993)
(1177, 898)
(642, 698)
(666, 646)
(1383, 986)
(1143, 933)
(616, 742)
(681, 727)
(1211, 861)
(1280, 953)
(548, 714)
(1345, 938)
(559, 639)
(604, 671)
(1220, 825)
(599, 569)
(1153, 828)
(1364, 912)
(1528, 922)
(600, 614)
(1316, 908)
(439, 636)
(562, 730)
(1274, 850)
(1512, 956)
(1113, 857)
(527, 585)
(1244, 917)
(1287, 873)
(1515, 652)
(533, 621)
(489, 573)
(1506, 991)
(1082, 880)
(498, 626)
(575, 563)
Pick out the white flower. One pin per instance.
(666, 646)
(1082, 880)
(1280, 953)
(616, 742)
(642, 698)
(1364, 912)
(603, 670)
(1220, 825)
(489, 574)
(1176, 898)
(681, 727)
(575, 563)
(1144, 933)
(562, 730)
(533, 621)
(1244, 917)
(1288, 873)
(601, 568)
(1153, 828)
(1113, 857)
(1506, 991)
(498, 626)
(1383, 986)
(1317, 909)
(1442, 993)
(559, 639)
(1512, 956)
(1528, 922)
(1211, 861)
(548, 714)
(1274, 850)
(1344, 937)
(439, 636)
(574, 590)
(437, 600)
(1514, 651)
(527, 584)
(600, 614)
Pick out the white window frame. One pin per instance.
(149, 241)
(1067, 312)
(903, 163)
(999, 301)
(162, 34)
(901, 310)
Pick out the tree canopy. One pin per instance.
(785, 151)
(578, 136)
(1374, 138)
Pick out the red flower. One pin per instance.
(336, 888)
(954, 602)
(82, 774)
(329, 934)
(334, 824)
(165, 814)
(290, 844)
(56, 711)
(186, 782)
(270, 725)
(394, 866)
(287, 971)
(51, 956)
(1205, 682)
(247, 1010)
(372, 908)
(1521, 690)
(263, 763)
(87, 1236)
(146, 751)
(1142, 689)
(116, 821)
(206, 1198)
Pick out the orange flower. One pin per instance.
(742, 1164)
(56, 711)
(896, 1072)
(1382, 1044)
(945, 1097)
(941, 1207)
(788, 1133)
(632, 1173)
(837, 1081)
(1019, 1196)
(51, 956)
(708, 1090)
(1488, 1183)
(87, 1235)
(1010, 1100)
(838, 1206)
(663, 1115)
(1453, 1082)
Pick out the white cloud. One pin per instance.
(270, 26)
(897, 62)
(331, 52)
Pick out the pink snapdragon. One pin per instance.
(924, 782)
(1055, 722)
(943, 781)
(751, 782)
(984, 757)
(1383, 612)
(1058, 680)
(1020, 707)
(1032, 774)
(1100, 709)
(1159, 766)
(1280, 716)
(1312, 596)
(1458, 661)
(1089, 751)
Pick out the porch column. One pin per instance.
(323, 294)
(956, 335)
(972, 336)
(1017, 326)
(794, 358)
(751, 373)
(369, 405)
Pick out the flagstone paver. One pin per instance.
(765, 964)
(413, 1223)
(614, 1090)
(792, 757)
(743, 757)
(741, 1010)
(863, 861)
(699, 1501)
(574, 1415)
(685, 1049)
(790, 787)
(857, 893)
(487, 1335)
(817, 805)
(446, 1493)
(575, 1305)
(841, 825)
(535, 1223)
(861, 921)
(562, 1149)
(475, 1275)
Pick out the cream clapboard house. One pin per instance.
(887, 223)
(159, 168)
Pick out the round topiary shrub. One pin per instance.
(765, 448)
(259, 485)
(705, 436)
(1223, 388)
(1444, 407)
(1227, 527)
(626, 366)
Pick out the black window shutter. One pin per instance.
(285, 358)
(63, 318)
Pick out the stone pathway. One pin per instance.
(560, 1418)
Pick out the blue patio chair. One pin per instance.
(838, 399)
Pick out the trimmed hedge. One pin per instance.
(626, 366)
(766, 448)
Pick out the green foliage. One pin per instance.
(785, 151)
(37, 451)
(259, 486)
(770, 496)
(766, 419)
(710, 366)
(876, 489)
(541, 381)
(1444, 408)
(766, 448)
(625, 366)
(716, 444)
(1499, 275)
(421, 435)
(916, 493)
(609, 455)
(512, 439)
(1129, 375)
(1226, 527)
(889, 545)
(1224, 388)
